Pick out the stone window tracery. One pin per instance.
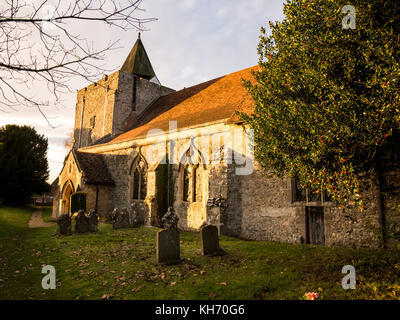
(191, 180)
(139, 183)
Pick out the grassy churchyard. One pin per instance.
(121, 264)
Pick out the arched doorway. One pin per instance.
(68, 190)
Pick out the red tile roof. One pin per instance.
(210, 101)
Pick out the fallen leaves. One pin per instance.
(137, 289)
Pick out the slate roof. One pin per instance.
(138, 62)
(210, 101)
(94, 168)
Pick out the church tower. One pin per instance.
(138, 62)
(107, 107)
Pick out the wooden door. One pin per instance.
(315, 225)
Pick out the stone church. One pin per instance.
(138, 144)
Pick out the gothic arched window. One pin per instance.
(186, 182)
(139, 184)
(194, 184)
(143, 186)
(191, 178)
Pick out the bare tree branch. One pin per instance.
(39, 45)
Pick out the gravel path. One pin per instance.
(36, 220)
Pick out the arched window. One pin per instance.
(186, 182)
(143, 185)
(139, 183)
(191, 179)
(136, 184)
(195, 178)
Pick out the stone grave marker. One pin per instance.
(209, 240)
(64, 224)
(168, 242)
(168, 246)
(133, 216)
(115, 218)
(125, 223)
(93, 221)
(81, 222)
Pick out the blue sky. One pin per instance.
(192, 41)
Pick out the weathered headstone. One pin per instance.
(64, 224)
(115, 218)
(168, 243)
(93, 221)
(81, 222)
(133, 217)
(170, 219)
(124, 218)
(168, 246)
(209, 240)
(120, 218)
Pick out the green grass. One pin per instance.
(46, 214)
(121, 264)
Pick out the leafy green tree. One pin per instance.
(327, 97)
(23, 164)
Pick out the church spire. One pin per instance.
(137, 62)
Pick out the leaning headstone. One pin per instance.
(81, 222)
(209, 240)
(93, 221)
(64, 224)
(168, 246)
(168, 243)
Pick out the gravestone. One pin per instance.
(81, 222)
(133, 216)
(209, 240)
(168, 246)
(170, 219)
(64, 224)
(115, 218)
(120, 218)
(125, 223)
(168, 242)
(93, 221)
